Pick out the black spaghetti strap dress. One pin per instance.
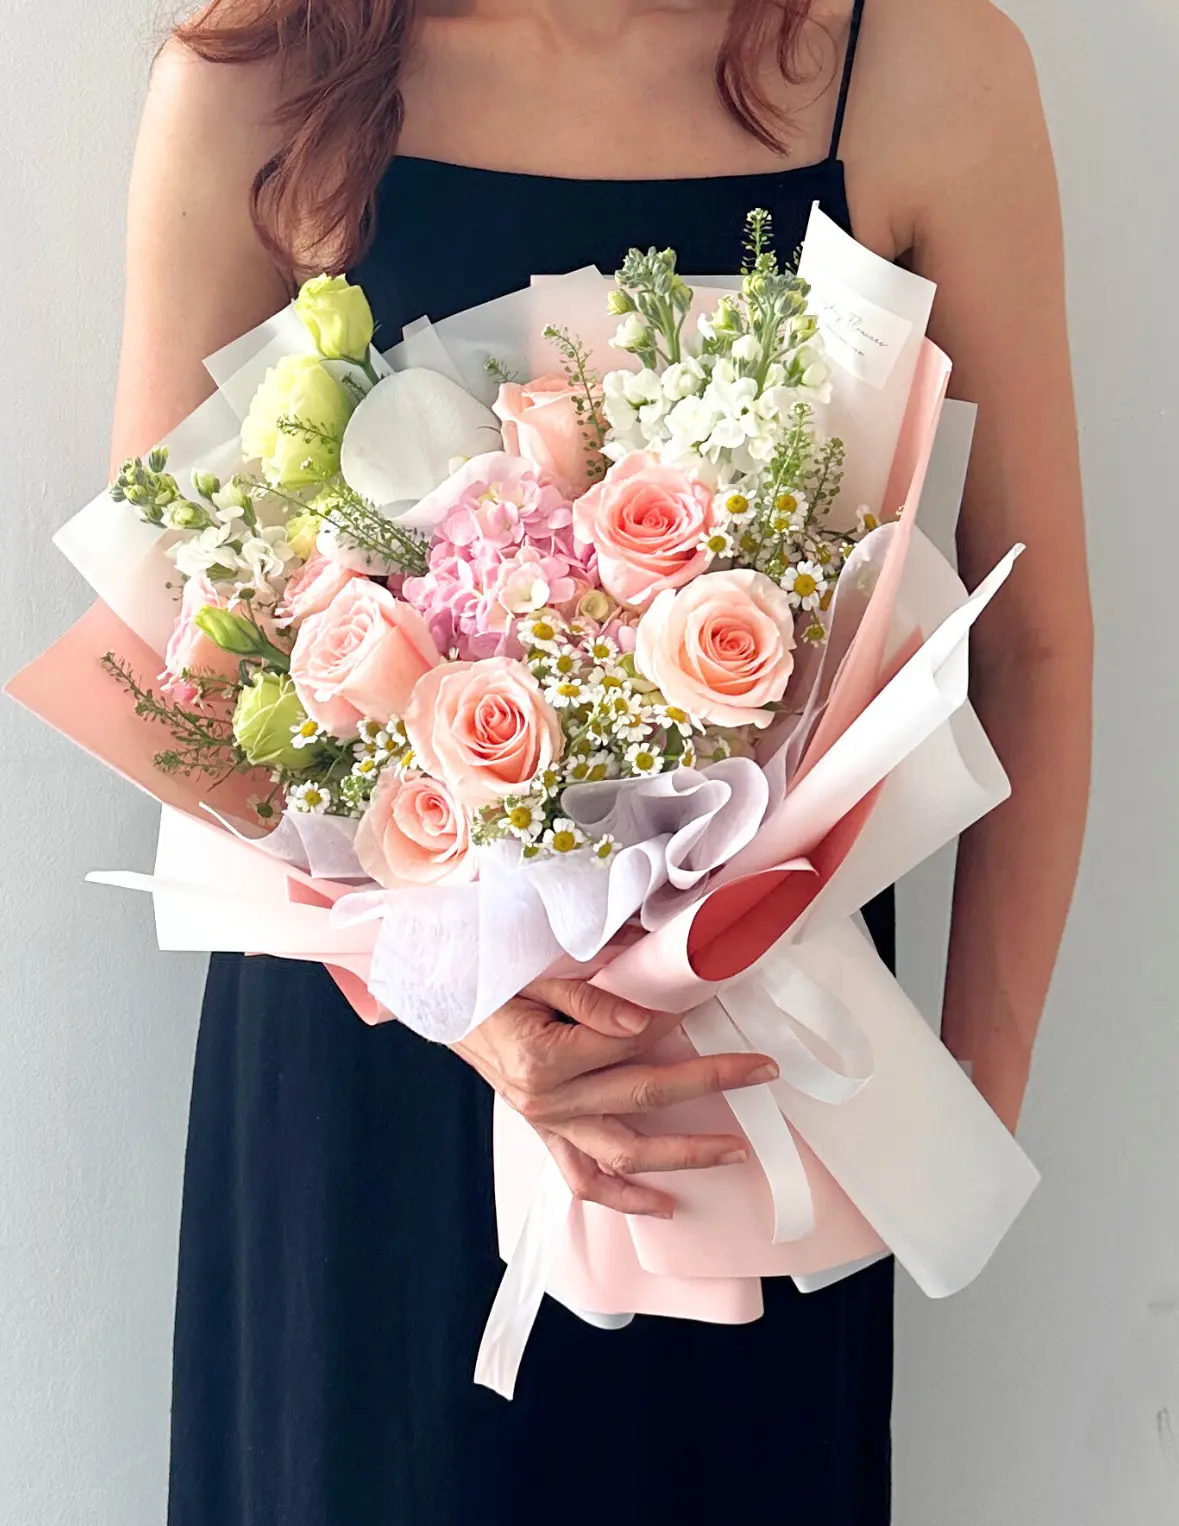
(338, 1248)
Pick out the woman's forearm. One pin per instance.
(1017, 868)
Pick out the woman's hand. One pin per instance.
(573, 1081)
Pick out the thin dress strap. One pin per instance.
(853, 38)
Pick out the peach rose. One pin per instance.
(645, 521)
(414, 832)
(722, 648)
(312, 589)
(484, 727)
(541, 423)
(190, 650)
(360, 658)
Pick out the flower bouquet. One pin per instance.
(590, 629)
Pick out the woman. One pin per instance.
(338, 1252)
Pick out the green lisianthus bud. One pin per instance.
(234, 633)
(337, 316)
(302, 533)
(268, 712)
(619, 303)
(206, 484)
(296, 423)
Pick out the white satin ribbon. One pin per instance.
(779, 1010)
(517, 1303)
(776, 1008)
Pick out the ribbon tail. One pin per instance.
(522, 1289)
(712, 1031)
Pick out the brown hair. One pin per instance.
(343, 104)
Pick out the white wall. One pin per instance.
(1048, 1395)
(96, 1028)
(1039, 1398)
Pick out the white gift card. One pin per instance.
(862, 337)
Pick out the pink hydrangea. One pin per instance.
(504, 547)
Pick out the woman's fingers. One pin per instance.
(647, 1088)
(590, 1184)
(623, 1151)
(592, 1008)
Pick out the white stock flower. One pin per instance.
(746, 349)
(633, 333)
(686, 378)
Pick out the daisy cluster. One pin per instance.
(344, 775)
(616, 725)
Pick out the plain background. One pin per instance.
(1047, 1395)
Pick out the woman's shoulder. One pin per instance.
(943, 90)
(216, 116)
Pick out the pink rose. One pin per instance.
(484, 727)
(722, 648)
(360, 658)
(312, 589)
(414, 832)
(190, 650)
(542, 424)
(645, 521)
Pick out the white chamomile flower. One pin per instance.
(366, 767)
(715, 748)
(734, 508)
(789, 512)
(815, 633)
(524, 818)
(643, 760)
(311, 798)
(687, 757)
(629, 720)
(564, 836)
(264, 808)
(542, 631)
(673, 718)
(368, 731)
(866, 520)
(605, 847)
(805, 584)
(563, 663)
(601, 650)
(565, 693)
(717, 543)
(306, 733)
(549, 782)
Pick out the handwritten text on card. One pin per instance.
(861, 337)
